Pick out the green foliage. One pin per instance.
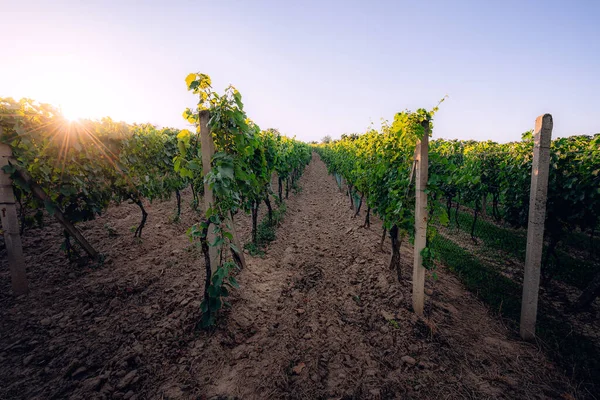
(467, 171)
(85, 165)
(241, 169)
(394, 324)
(266, 232)
(379, 165)
(220, 284)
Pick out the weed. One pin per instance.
(112, 232)
(265, 232)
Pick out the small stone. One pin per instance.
(27, 360)
(93, 384)
(127, 379)
(428, 292)
(408, 360)
(185, 301)
(114, 303)
(128, 395)
(78, 373)
(87, 312)
(413, 348)
(107, 389)
(300, 311)
(384, 329)
(298, 368)
(308, 336)
(71, 367)
(46, 322)
(386, 315)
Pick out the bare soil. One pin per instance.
(320, 316)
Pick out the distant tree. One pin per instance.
(351, 136)
(326, 139)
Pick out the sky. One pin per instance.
(313, 68)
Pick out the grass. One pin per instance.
(510, 241)
(582, 242)
(499, 292)
(265, 231)
(576, 353)
(566, 268)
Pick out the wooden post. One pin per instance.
(10, 227)
(418, 292)
(208, 150)
(535, 228)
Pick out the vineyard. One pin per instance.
(478, 218)
(227, 261)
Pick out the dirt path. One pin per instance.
(314, 315)
(312, 319)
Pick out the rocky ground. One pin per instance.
(320, 316)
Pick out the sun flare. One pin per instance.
(73, 113)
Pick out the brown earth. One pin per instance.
(320, 316)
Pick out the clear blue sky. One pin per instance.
(311, 68)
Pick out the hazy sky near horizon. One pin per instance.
(312, 68)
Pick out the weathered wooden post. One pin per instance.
(10, 227)
(208, 150)
(535, 228)
(422, 171)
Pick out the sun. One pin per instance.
(72, 113)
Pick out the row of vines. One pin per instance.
(493, 180)
(380, 166)
(82, 167)
(86, 165)
(239, 177)
(481, 177)
(479, 198)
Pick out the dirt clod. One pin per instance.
(408, 360)
(127, 380)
